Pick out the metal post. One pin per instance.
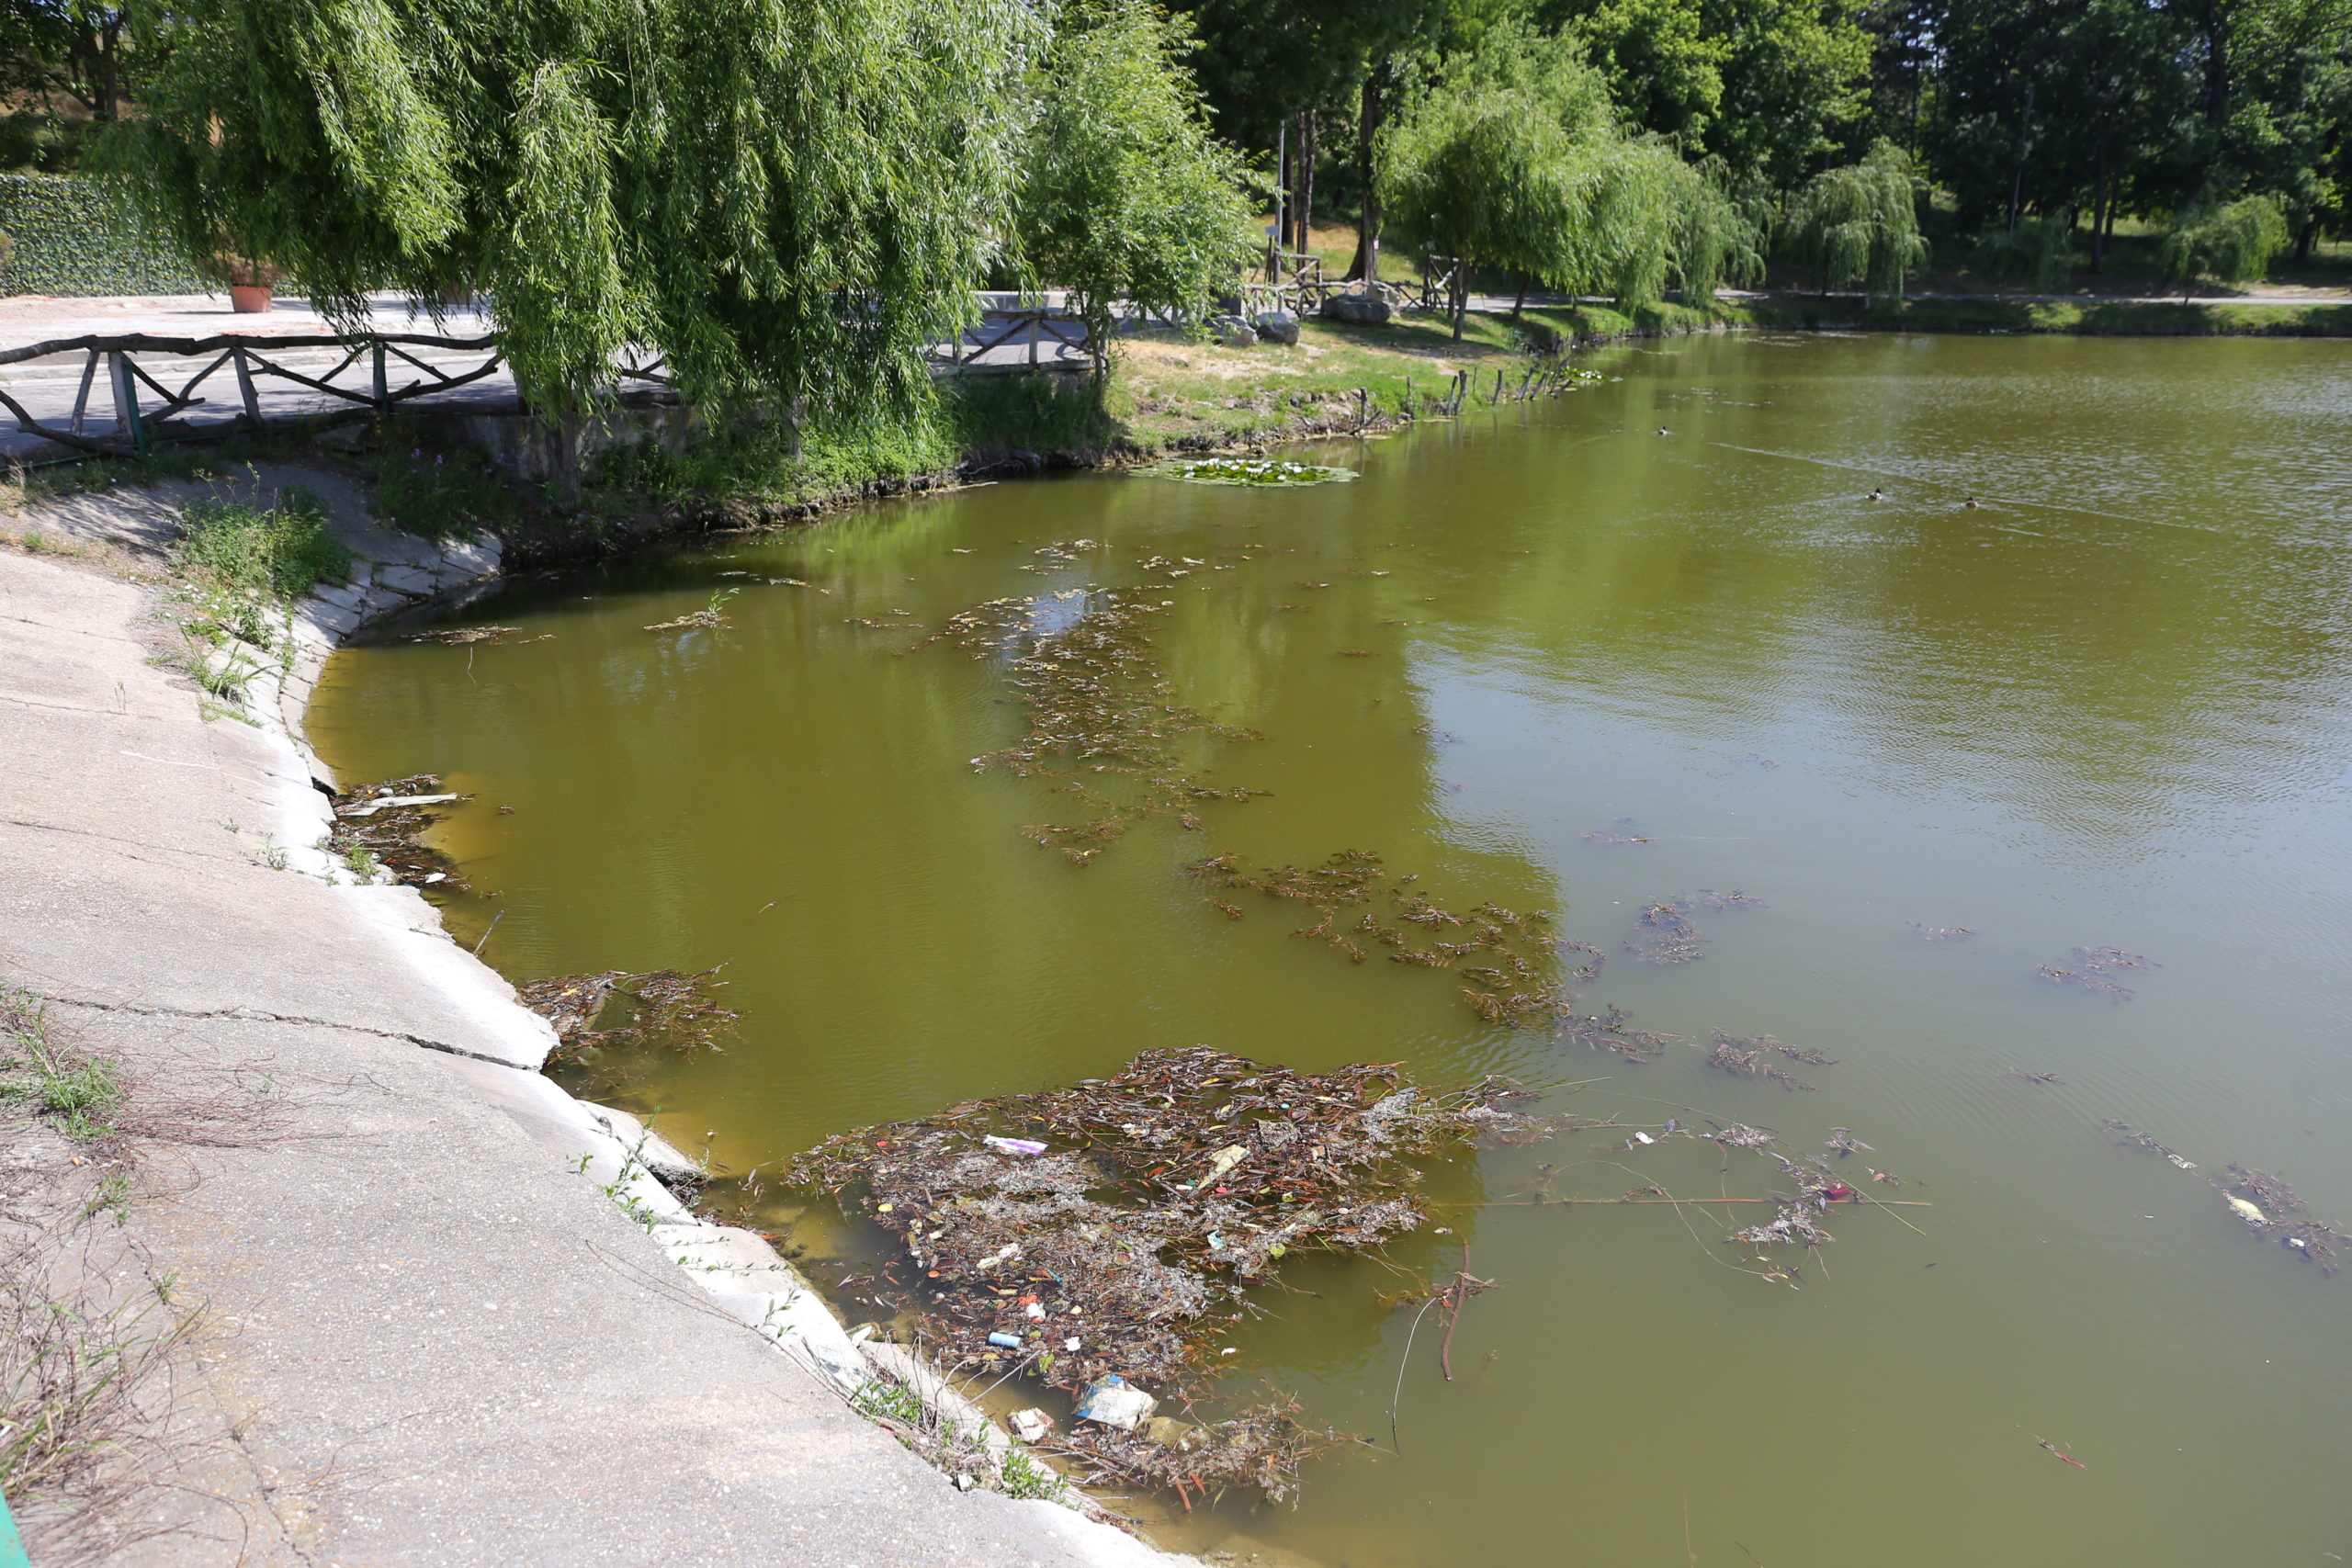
(245, 388)
(126, 400)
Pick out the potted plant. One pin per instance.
(252, 283)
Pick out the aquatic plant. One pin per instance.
(1104, 718)
(1246, 471)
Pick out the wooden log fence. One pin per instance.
(144, 396)
(1031, 328)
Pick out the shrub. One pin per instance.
(2230, 244)
(437, 493)
(2040, 251)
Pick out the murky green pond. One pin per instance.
(2106, 708)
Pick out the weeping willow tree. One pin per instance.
(1860, 224)
(1515, 158)
(788, 198)
(1124, 197)
(1717, 240)
(2231, 243)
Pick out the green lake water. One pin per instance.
(2106, 707)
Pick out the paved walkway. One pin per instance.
(427, 1338)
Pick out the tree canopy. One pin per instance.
(788, 198)
(1517, 158)
(1860, 223)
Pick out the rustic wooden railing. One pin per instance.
(1031, 328)
(144, 381)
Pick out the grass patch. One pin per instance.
(280, 552)
(2089, 318)
(86, 1429)
(242, 567)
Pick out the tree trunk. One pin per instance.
(1519, 304)
(2303, 237)
(2025, 145)
(2099, 211)
(1306, 199)
(2217, 63)
(1366, 266)
(1285, 203)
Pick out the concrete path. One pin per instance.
(427, 1337)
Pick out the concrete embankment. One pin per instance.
(445, 1316)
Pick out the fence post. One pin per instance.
(1036, 330)
(126, 400)
(245, 387)
(82, 401)
(383, 394)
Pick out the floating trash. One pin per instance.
(2125, 1133)
(2270, 1205)
(382, 825)
(1170, 1188)
(1246, 471)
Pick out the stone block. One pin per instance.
(414, 581)
(1278, 326)
(1356, 309)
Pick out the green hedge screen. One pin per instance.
(74, 236)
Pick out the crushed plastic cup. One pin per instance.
(1013, 1146)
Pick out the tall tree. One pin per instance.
(1124, 195)
(1765, 84)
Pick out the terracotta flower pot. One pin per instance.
(249, 298)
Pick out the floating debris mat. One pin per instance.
(381, 826)
(1246, 471)
(1110, 1229)
(2269, 1205)
(1104, 720)
(598, 1017)
(1508, 954)
(462, 636)
(2092, 968)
